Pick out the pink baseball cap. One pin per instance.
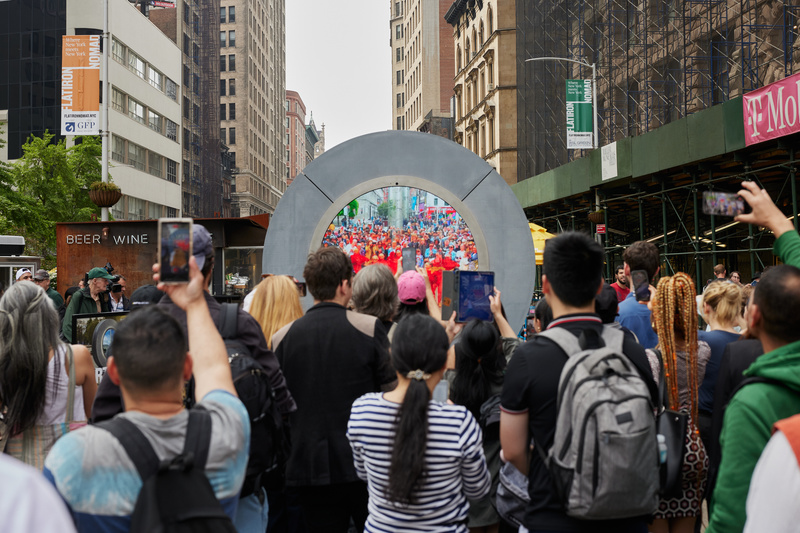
(411, 287)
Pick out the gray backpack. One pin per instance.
(604, 461)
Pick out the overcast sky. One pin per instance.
(339, 60)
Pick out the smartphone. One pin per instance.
(641, 285)
(530, 328)
(174, 249)
(723, 204)
(441, 392)
(301, 287)
(409, 259)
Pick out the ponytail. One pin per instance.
(419, 343)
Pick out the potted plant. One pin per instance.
(104, 193)
(597, 217)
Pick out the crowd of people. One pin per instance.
(382, 415)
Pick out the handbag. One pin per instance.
(512, 495)
(32, 445)
(673, 425)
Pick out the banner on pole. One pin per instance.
(80, 85)
(579, 114)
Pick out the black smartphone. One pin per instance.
(530, 328)
(301, 287)
(409, 259)
(641, 285)
(174, 249)
(724, 204)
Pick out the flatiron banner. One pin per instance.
(80, 85)
(579, 114)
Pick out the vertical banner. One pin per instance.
(80, 85)
(579, 114)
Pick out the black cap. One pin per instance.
(146, 295)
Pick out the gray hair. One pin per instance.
(28, 331)
(375, 292)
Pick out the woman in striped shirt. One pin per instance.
(421, 459)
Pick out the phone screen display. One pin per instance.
(723, 203)
(409, 259)
(473, 298)
(175, 249)
(641, 285)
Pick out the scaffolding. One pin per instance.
(657, 61)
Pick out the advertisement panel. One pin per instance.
(80, 85)
(158, 3)
(772, 111)
(579, 114)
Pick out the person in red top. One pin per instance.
(621, 285)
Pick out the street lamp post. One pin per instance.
(594, 87)
(104, 135)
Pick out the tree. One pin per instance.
(385, 208)
(48, 185)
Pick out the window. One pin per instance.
(232, 87)
(490, 20)
(172, 212)
(186, 12)
(155, 121)
(398, 54)
(399, 78)
(222, 63)
(232, 62)
(399, 100)
(187, 76)
(196, 146)
(172, 130)
(135, 110)
(187, 44)
(196, 53)
(231, 111)
(222, 37)
(222, 86)
(232, 136)
(156, 79)
(135, 208)
(222, 109)
(398, 31)
(196, 114)
(232, 14)
(222, 15)
(186, 108)
(172, 90)
(232, 38)
(118, 149)
(222, 134)
(398, 123)
(136, 156)
(136, 64)
(153, 211)
(118, 100)
(196, 83)
(232, 158)
(118, 51)
(156, 163)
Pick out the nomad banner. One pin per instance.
(80, 85)
(579, 114)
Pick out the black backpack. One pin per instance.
(176, 495)
(269, 442)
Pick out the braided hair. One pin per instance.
(675, 319)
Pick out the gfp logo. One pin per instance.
(69, 127)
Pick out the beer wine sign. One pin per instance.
(580, 126)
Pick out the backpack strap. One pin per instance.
(229, 318)
(760, 379)
(564, 339)
(198, 435)
(614, 338)
(135, 444)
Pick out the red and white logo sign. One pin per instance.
(158, 3)
(772, 111)
(600, 229)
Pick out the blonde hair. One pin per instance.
(675, 318)
(275, 304)
(725, 299)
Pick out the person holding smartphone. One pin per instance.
(641, 267)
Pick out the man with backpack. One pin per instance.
(577, 469)
(248, 339)
(159, 467)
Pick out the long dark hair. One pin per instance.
(419, 343)
(419, 308)
(479, 365)
(28, 330)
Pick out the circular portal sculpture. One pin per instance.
(420, 160)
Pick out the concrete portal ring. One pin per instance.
(410, 159)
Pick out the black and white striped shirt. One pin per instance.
(455, 466)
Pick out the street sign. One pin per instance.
(579, 114)
(80, 85)
(600, 229)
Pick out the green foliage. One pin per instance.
(103, 186)
(385, 208)
(48, 185)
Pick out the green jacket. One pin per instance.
(81, 303)
(750, 415)
(58, 301)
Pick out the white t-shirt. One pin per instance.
(773, 503)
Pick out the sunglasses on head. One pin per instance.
(301, 285)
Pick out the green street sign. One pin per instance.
(579, 114)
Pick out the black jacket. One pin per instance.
(108, 400)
